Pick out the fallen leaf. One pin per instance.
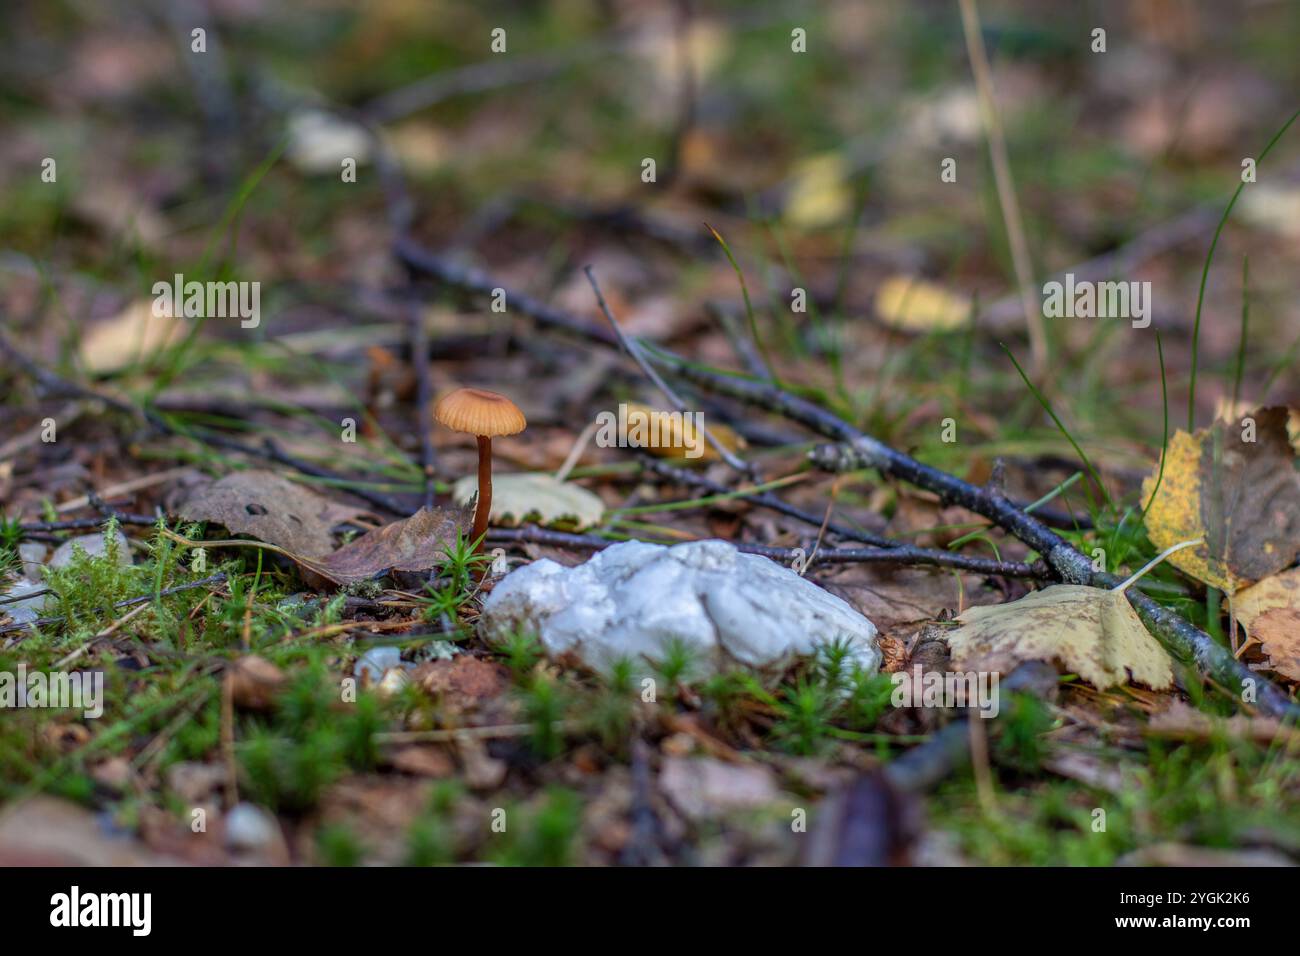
(421, 760)
(898, 599)
(702, 787)
(319, 141)
(820, 194)
(255, 682)
(914, 305)
(1092, 632)
(134, 334)
(49, 831)
(536, 497)
(421, 147)
(463, 681)
(1276, 591)
(1279, 631)
(1100, 773)
(272, 509)
(1242, 496)
(1183, 722)
(122, 215)
(482, 771)
(416, 543)
(673, 434)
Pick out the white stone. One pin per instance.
(33, 557)
(249, 827)
(375, 662)
(93, 545)
(29, 608)
(319, 141)
(632, 599)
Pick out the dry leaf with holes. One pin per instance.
(534, 497)
(272, 509)
(1089, 631)
(914, 305)
(1241, 496)
(417, 543)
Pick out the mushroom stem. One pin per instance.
(484, 506)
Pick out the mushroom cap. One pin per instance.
(476, 411)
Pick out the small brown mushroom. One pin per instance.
(484, 414)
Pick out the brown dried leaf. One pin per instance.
(701, 787)
(1279, 590)
(421, 760)
(898, 599)
(1183, 722)
(1242, 496)
(416, 543)
(133, 335)
(272, 509)
(463, 681)
(1279, 631)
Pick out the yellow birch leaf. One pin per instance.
(1089, 631)
(819, 193)
(1235, 485)
(914, 305)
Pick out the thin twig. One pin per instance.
(902, 555)
(78, 524)
(633, 348)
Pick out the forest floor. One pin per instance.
(799, 231)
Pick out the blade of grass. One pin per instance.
(1205, 272)
(1245, 327)
(1164, 441)
(1047, 407)
(749, 306)
(708, 499)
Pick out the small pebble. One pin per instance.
(375, 662)
(249, 827)
(92, 544)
